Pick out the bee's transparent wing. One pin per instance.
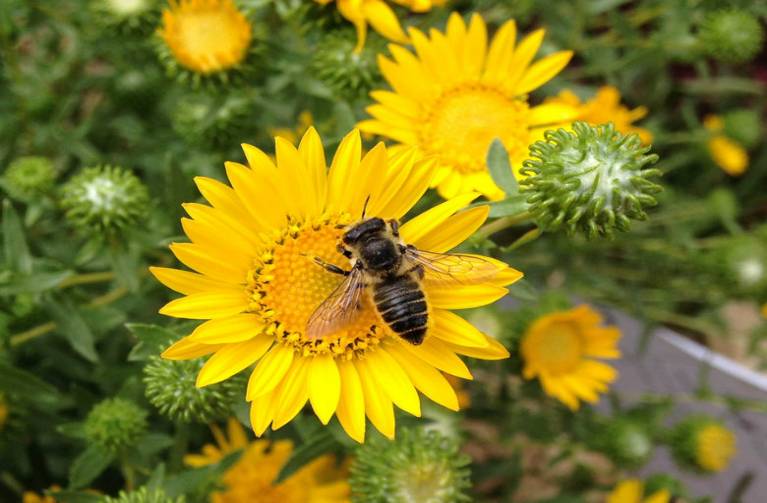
(453, 267)
(339, 309)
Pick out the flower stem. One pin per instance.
(502, 223)
(84, 279)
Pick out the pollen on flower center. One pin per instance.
(465, 120)
(206, 35)
(559, 348)
(287, 286)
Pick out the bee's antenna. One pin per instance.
(365, 206)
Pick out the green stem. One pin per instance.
(179, 446)
(502, 223)
(88, 278)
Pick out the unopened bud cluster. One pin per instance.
(731, 35)
(115, 424)
(592, 180)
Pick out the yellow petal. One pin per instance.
(426, 378)
(351, 404)
(383, 20)
(237, 328)
(452, 328)
(413, 189)
(262, 413)
(522, 57)
(258, 190)
(628, 491)
(184, 349)
(243, 227)
(231, 359)
(206, 305)
(198, 259)
(455, 230)
(662, 496)
(501, 52)
(435, 352)
(394, 381)
(221, 197)
(424, 224)
(324, 386)
(464, 296)
(188, 282)
(344, 172)
(493, 351)
(542, 71)
(234, 250)
(293, 174)
(269, 371)
(313, 153)
(552, 113)
(475, 48)
(291, 393)
(378, 406)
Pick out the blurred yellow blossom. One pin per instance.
(632, 491)
(727, 153)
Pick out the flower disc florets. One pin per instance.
(115, 424)
(732, 36)
(591, 180)
(170, 386)
(426, 467)
(104, 198)
(28, 178)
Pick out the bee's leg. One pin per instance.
(418, 269)
(330, 267)
(394, 227)
(344, 251)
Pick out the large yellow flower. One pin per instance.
(252, 476)
(606, 107)
(454, 96)
(257, 284)
(632, 491)
(379, 15)
(560, 350)
(728, 154)
(206, 36)
(714, 447)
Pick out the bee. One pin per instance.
(392, 273)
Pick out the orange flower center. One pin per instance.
(464, 122)
(287, 286)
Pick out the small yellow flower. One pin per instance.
(305, 121)
(560, 350)
(379, 15)
(632, 491)
(33, 497)
(727, 153)
(606, 107)
(252, 477)
(206, 36)
(715, 447)
(455, 95)
(257, 285)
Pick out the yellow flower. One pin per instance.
(560, 350)
(379, 15)
(252, 476)
(726, 152)
(206, 36)
(33, 497)
(257, 283)
(715, 447)
(455, 96)
(631, 491)
(606, 107)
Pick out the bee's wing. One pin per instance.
(339, 309)
(453, 267)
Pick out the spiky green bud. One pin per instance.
(348, 73)
(104, 199)
(115, 423)
(627, 442)
(703, 443)
(592, 180)
(731, 35)
(28, 178)
(744, 125)
(170, 386)
(418, 466)
(143, 495)
(138, 16)
(211, 120)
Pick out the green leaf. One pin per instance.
(77, 497)
(152, 339)
(34, 283)
(320, 444)
(72, 430)
(89, 465)
(500, 168)
(21, 382)
(199, 480)
(125, 266)
(72, 326)
(17, 256)
(512, 205)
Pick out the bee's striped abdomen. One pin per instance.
(402, 305)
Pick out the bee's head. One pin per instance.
(363, 229)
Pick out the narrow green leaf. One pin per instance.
(322, 443)
(512, 205)
(21, 382)
(34, 283)
(72, 326)
(199, 480)
(89, 465)
(500, 168)
(152, 339)
(17, 256)
(125, 266)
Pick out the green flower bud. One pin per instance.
(627, 442)
(418, 466)
(211, 120)
(29, 178)
(350, 74)
(104, 198)
(170, 386)
(744, 126)
(731, 36)
(703, 443)
(743, 263)
(591, 180)
(143, 495)
(115, 423)
(139, 16)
